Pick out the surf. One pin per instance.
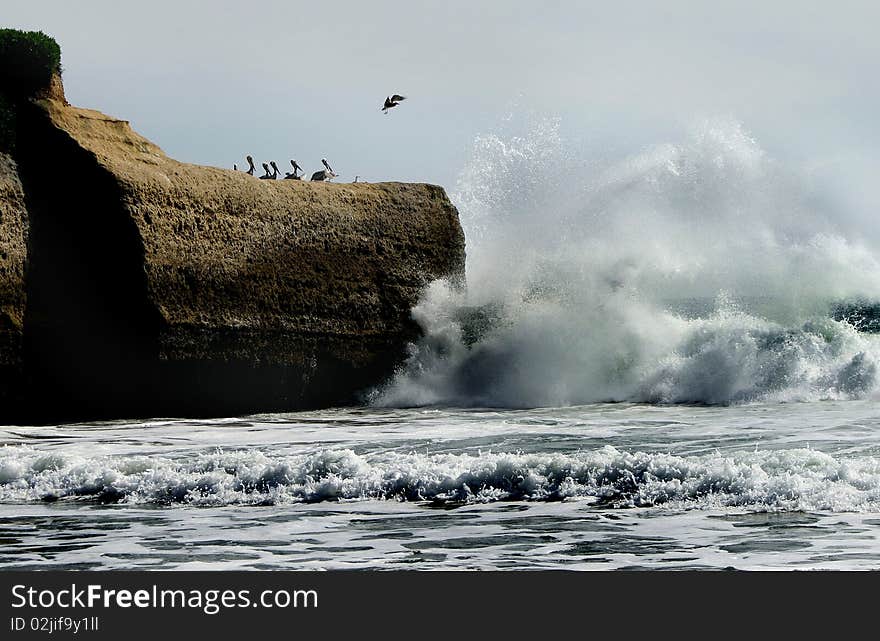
(773, 480)
(698, 271)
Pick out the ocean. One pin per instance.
(648, 369)
(606, 486)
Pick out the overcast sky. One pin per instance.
(212, 81)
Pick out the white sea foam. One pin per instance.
(698, 272)
(796, 479)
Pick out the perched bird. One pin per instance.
(296, 168)
(392, 102)
(275, 172)
(267, 175)
(324, 174)
(250, 162)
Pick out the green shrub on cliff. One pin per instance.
(27, 61)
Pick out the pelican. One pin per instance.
(322, 175)
(392, 102)
(296, 168)
(250, 162)
(275, 171)
(267, 175)
(327, 165)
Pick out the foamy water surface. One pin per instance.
(792, 485)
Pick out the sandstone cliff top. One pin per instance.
(225, 249)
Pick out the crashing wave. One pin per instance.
(699, 272)
(797, 479)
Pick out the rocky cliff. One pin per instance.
(155, 287)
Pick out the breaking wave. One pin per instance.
(697, 272)
(796, 479)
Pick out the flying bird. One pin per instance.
(392, 102)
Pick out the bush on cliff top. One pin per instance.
(27, 61)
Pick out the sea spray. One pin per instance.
(698, 272)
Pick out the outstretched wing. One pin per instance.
(397, 98)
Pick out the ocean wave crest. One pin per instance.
(796, 479)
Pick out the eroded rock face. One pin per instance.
(159, 287)
(13, 252)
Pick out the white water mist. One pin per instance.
(701, 271)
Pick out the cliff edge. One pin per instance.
(154, 287)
